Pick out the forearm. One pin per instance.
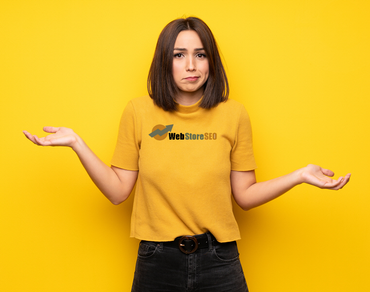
(259, 193)
(104, 177)
(115, 183)
(249, 194)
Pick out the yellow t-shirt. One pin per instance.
(184, 159)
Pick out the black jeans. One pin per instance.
(166, 269)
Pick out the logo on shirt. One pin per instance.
(160, 132)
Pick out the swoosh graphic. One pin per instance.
(161, 132)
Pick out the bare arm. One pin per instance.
(115, 183)
(249, 194)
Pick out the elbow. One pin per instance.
(245, 207)
(243, 193)
(244, 203)
(118, 200)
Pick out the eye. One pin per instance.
(178, 55)
(201, 56)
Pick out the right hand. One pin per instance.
(61, 137)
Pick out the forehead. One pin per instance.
(188, 39)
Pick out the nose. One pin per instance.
(190, 65)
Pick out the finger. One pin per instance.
(37, 140)
(333, 183)
(345, 181)
(342, 183)
(41, 141)
(327, 172)
(338, 187)
(51, 129)
(29, 137)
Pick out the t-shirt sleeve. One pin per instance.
(242, 157)
(126, 153)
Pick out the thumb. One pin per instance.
(327, 172)
(51, 129)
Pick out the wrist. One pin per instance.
(298, 176)
(77, 144)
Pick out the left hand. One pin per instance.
(322, 178)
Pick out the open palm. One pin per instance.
(322, 178)
(60, 137)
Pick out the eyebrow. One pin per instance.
(183, 49)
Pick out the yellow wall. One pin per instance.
(300, 67)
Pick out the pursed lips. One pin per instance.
(192, 78)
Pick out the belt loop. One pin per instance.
(209, 238)
(160, 245)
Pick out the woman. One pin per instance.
(187, 147)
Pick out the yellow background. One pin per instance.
(300, 67)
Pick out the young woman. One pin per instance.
(188, 148)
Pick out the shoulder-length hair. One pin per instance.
(161, 85)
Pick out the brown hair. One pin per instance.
(161, 85)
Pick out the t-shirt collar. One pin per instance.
(189, 108)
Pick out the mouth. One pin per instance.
(192, 78)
